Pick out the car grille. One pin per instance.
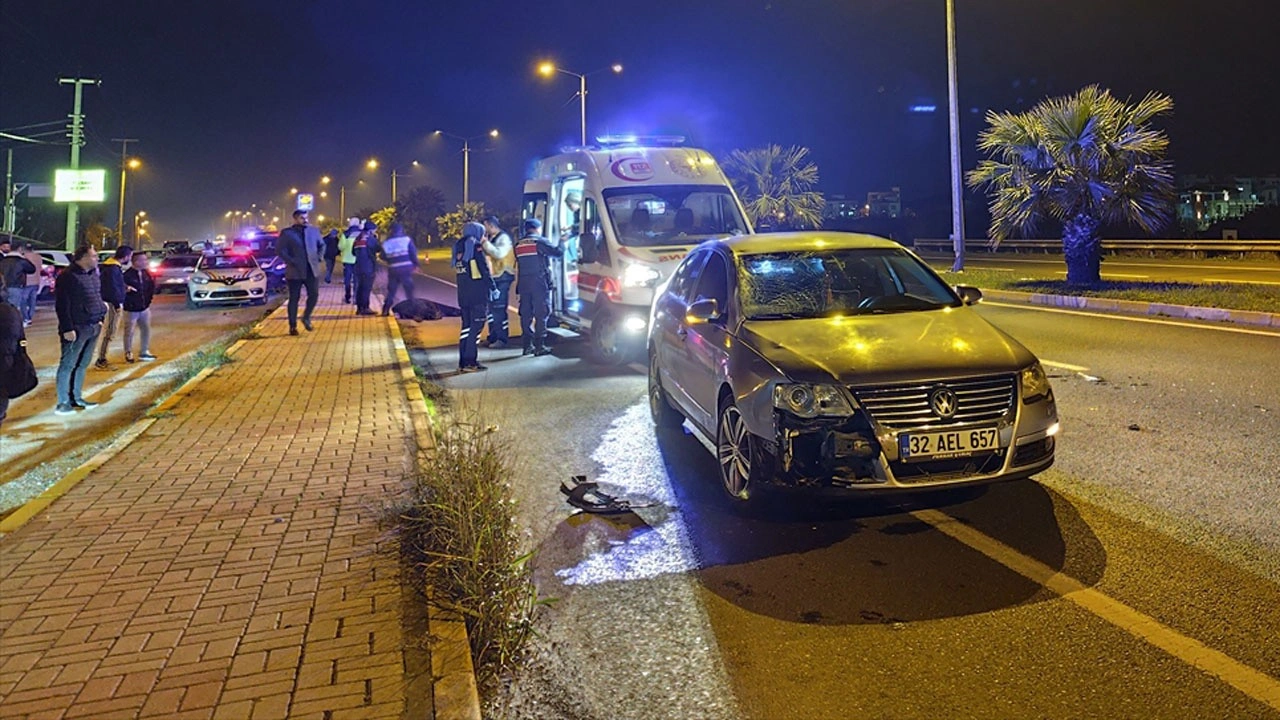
(907, 405)
(229, 294)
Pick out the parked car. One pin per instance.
(55, 261)
(832, 360)
(172, 272)
(263, 248)
(226, 278)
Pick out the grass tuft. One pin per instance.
(460, 527)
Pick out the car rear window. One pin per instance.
(180, 261)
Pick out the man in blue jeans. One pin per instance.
(78, 301)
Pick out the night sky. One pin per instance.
(235, 101)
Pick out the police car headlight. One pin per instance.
(810, 401)
(258, 276)
(200, 279)
(638, 275)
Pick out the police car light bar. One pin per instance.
(631, 139)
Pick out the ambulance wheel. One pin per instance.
(606, 339)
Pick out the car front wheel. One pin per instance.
(664, 414)
(742, 463)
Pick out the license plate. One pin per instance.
(947, 444)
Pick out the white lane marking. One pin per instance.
(1131, 318)
(1219, 268)
(1063, 366)
(1242, 282)
(1255, 684)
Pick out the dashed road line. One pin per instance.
(1257, 685)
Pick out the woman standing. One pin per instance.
(140, 288)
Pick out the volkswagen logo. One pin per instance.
(943, 402)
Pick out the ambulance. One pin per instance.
(627, 211)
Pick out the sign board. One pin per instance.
(71, 186)
(39, 190)
(306, 201)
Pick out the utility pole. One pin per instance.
(957, 186)
(77, 139)
(10, 212)
(124, 178)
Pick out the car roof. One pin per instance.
(801, 241)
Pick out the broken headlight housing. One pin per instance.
(810, 401)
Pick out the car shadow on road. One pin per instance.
(870, 560)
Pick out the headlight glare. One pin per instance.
(200, 279)
(638, 275)
(1035, 384)
(258, 276)
(809, 401)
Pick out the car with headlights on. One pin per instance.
(226, 278)
(172, 272)
(843, 362)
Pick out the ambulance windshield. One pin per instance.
(672, 214)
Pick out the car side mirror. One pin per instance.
(704, 310)
(969, 294)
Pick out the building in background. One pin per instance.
(1204, 201)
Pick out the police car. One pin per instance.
(227, 277)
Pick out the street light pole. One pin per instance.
(466, 159)
(77, 139)
(547, 69)
(124, 177)
(957, 186)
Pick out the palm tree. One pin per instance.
(1083, 160)
(776, 185)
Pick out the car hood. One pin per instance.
(888, 348)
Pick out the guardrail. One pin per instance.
(1145, 246)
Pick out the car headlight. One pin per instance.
(200, 279)
(638, 275)
(1035, 384)
(809, 401)
(258, 276)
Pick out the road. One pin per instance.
(1136, 269)
(1138, 578)
(34, 439)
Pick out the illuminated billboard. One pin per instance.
(79, 186)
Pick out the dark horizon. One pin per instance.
(234, 104)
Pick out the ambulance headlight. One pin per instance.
(639, 275)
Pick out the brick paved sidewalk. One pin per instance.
(229, 563)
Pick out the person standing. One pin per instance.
(301, 247)
(140, 288)
(32, 291)
(346, 242)
(401, 256)
(474, 288)
(16, 269)
(330, 254)
(12, 338)
(502, 267)
(365, 250)
(111, 273)
(78, 303)
(533, 255)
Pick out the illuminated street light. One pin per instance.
(293, 191)
(125, 166)
(372, 164)
(466, 158)
(547, 69)
(324, 180)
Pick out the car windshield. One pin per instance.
(180, 261)
(217, 262)
(672, 214)
(825, 283)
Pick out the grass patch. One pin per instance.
(459, 525)
(214, 355)
(1230, 296)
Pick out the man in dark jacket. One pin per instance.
(12, 338)
(16, 269)
(533, 264)
(401, 256)
(111, 272)
(330, 254)
(475, 289)
(140, 288)
(78, 302)
(301, 248)
(365, 250)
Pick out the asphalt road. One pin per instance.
(1138, 578)
(1136, 269)
(34, 439)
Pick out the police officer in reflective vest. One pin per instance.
(533, 268)
(475, 292)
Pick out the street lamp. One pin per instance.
(131, 164)
(137, 228)
(547, 69)
(466, 158)
(395, 173)
(957, 187)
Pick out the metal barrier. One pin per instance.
(1145, 246)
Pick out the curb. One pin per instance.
(1137, 307)
(28, 510)
(454, 690)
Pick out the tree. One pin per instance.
(450, 224)
(776, 186)
(419, 210)
(1084, 160)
